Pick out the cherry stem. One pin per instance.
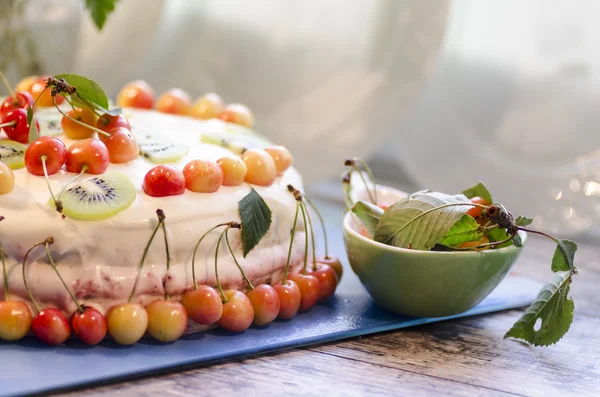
(83, 170)
(8, 87)
(196, 249)
(236, 261)
(305, 238)
(558, 242)
(347, 187)
(47, 245)
(223, 297)
(312, 236)
(87, 104)
(289, 256)
(72, 106)
(99, 131)
(371, 177)
(47, 241)
(9, 124)
(164, 229)
(4, 274)
(38, 98)
(362, 177)
(43, 160)
(141, 265)
(314, 207)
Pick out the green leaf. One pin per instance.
(465, 230)
(523, 221)
(33, 130)
(256, 220)
(498, 234)
(87, 90)
(563, 256)
(369, 214)
(420, 221)
(553, 307)
(99, 10)
(478, 190)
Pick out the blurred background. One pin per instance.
(435, 94)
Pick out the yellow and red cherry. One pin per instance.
(21, 100)
(136, 94)
(89, 325)
(289, 299)
(15, 125)
(127, 323)
(7, 179)
(309, 289)
(174, 101)
(26, 83)
(76, 131)
(15, 320)
(90, 153)
(164, 180)
(166, 320)
(328, 280)
(238, 313)
(234, 170)
(260, 166)
(121, 145)
(265, 302)
(475, 212)
(238, 114)
(108, 123)
(43, 98)
(203, 304)
(51, 327)
(207, 107)
(334, 262)
(203, 176)
(282, 158)
(475, 244)
(54, 151)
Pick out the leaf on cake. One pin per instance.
(255, 215)
(87, 90)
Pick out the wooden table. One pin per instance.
(465, 357)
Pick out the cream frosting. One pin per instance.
(99, 259)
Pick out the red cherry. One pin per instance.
(108, 123)
(265, 302)
(334, 262)
(90, 326)
(51, 327)
(19, 131)
(309, 289)
(21, 100)
(91, 153)
(136, 94)
(204, 304)
(54, 150)
(238, 313)
(121, 145)
(164, 180)
(475, 212)
(174, 101)
(289, 298)
(328, 281)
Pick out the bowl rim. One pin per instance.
(347, 227)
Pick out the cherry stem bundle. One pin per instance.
(99, 131)
(236, 261)
(372, 193)
(4, 274)
(305, 238)
(312, 236)
(219, 287)
(161, 219)
(49, 240)
(196, 249)
(289, 256)
(314, 207)
(164, 229)
(11, 92)
(47, 246)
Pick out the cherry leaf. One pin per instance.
(563, 257)
(33, 130)
(255, 215)
(369, 215)
(479, 190)
(87, 90)
(523, 221)
(465, 230)
(99, 10)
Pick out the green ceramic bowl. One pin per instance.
(425, 283)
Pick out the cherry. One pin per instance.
(328, 280)
(136, 94)
(309, 289)
(166, 320)
(89, 325)
(334, 262)
(174, 101)
(234, 170)
(15, 125)
(203, 176)
(52, 149)
(21, 100)
(238, 114)
(76, 131)
(7, 179)
(90, 153)
(475, 212)
(474, 244)
(26, 83)
(265, 302)
(108, 123)
(164, 180)
(121, 145)
(282, 158)
(208, 106)
(15, 320)
(127, 323)
(203, 305)
(43, 98)
(261, 167)
(238, 313)
(51, 327)
(289, 298)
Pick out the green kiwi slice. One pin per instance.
(98, 198)
(12, 153)
(159, 149)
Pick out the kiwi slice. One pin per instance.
(12, 153)
(159, 149)
(236, 138)
(98, 198)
